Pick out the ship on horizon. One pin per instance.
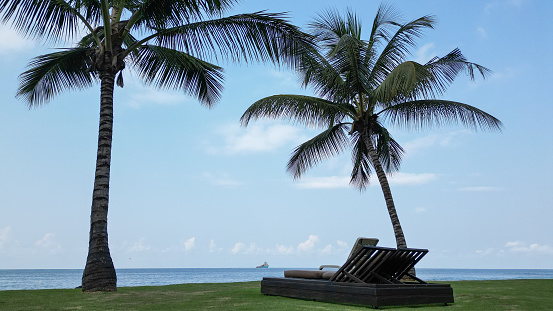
(264, 265)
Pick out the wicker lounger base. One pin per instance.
(375, 295)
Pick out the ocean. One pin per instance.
(15, 279)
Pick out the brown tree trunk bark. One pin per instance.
(99, 273)
(383, 180)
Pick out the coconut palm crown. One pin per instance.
(363, 85)
(166, 42)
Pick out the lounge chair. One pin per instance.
(314, 274)
(356, 246)
(380, 265)
(371, 276)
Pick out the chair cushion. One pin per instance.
(328, 274)
(305, 274)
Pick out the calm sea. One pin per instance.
(71, 278)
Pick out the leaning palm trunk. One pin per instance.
(99, 273)
(383, 180)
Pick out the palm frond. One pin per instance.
(119, 81)
(91, 10)
(380, 31)
(249, 37)
(168, 68)
(390, 153)
(329, 143)
(51, 74)
(397, 48)
(327, 29)
(411, 81)
(306, 110)
(160, 14)
(445, 69)
(128, 41)
(346, 53)
(354, 24)
(348, 62)
(317, 72)
(106, 21)
(48, 19)
(428, 113)
(89, 40)
(403, 82)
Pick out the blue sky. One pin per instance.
(191, 188)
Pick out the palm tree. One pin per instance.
(363, 84)
(165, 41)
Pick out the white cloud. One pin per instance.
(440, 140)
(411, 179)
(48, 243)
(309, 244)
(518, 247)
(327, 249)
(259, 137)
(286, 79)
(139, 246)
(492, 5)
(189, 243)
(480, 189)
(502, 76)
(425, 53)
(482, 32)
(340, 247)
(521, 247)
(4, 235)
(139, 95)
(513, 244)
(331, 182)
(221, 179)
(241, 248)
(342, 244)
(485, 252)
(11, 42)
(334, 182)
(283, 250)
(46, 240)
(421, 210)
(213, 247)
(153, 97)
(505, 74)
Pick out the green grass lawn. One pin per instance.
(469, 295)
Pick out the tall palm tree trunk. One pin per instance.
(99, 273)
(383, 180)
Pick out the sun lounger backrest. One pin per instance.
(398, 265)
(408, 258)
(372, 264)
(358, 267)
(360, 242)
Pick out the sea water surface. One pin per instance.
(13, 279)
